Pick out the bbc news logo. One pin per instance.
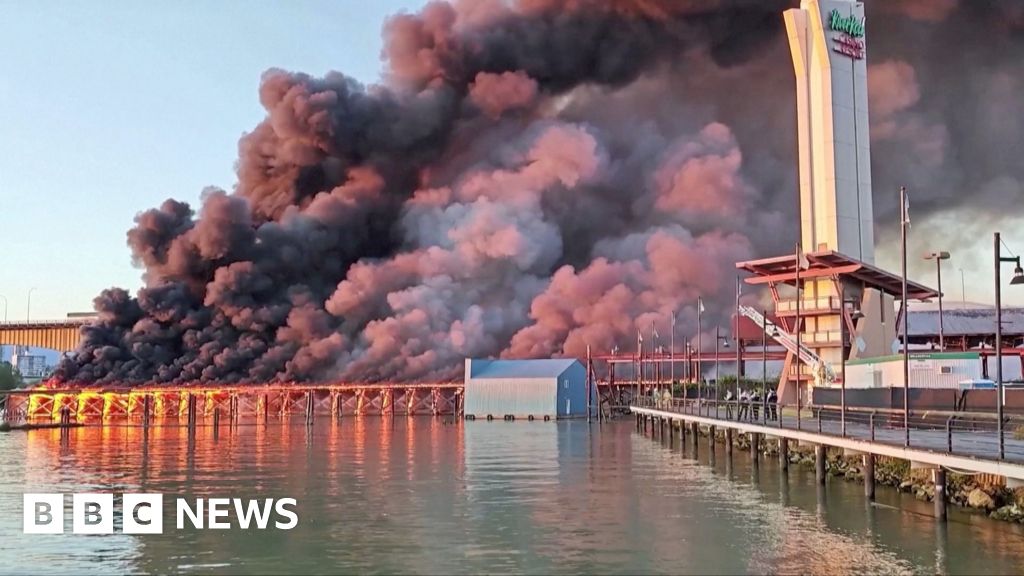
(93, 513)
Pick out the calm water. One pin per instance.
(419, 496)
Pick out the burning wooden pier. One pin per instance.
(94, 404)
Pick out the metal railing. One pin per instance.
(962, 433)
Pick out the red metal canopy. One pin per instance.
(827, 264)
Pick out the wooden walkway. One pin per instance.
(975, 446)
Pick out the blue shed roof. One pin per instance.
(545, 368)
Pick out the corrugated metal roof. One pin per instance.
(965, 322)
(543, 368)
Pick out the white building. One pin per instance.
(549, 388)
(926, 370)
(31, 366)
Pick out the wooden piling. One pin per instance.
(869, 476)
(190, 410)
(819, 463)
(784, 454)
(728, 441)
(309, 407)
(695, 432)
(939, 477)
(755, 447)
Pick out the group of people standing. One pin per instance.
(750, 404)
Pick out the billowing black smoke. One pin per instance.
(531, 177)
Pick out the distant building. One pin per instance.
(965, 326)
(31, 366)
(553, 388)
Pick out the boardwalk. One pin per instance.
(968, 443)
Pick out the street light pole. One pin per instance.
(1018, 278)
(672, 354)
(905, 313)
(796, 331)
(736, 339)
(764, 363)
(4, 298)
(939, 257)
(28, 307)
(842, 357)
(963, 287)
(700, 371)
(718, 381)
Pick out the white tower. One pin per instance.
(826, 39)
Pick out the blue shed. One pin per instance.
(556, 388)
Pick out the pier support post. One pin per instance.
(869, 476)
(309, 407)
(819, 463)
(191, 410)
(784, 454)
(711, 445)
(728, 441)
(695, 432)
(682, 433)
(755, 444)
(939, 477)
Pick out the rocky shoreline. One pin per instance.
(964, 490)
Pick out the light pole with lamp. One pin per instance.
(1018, 278)
(4, 298)
(963, 286)
(700, 350)
(672, 353)
(719, 339)
(939, 257)
(28, 306)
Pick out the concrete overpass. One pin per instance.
(60, 335)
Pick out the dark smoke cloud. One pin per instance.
(530, 178)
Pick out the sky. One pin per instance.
(106, 113)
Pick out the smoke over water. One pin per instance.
(530, 177)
